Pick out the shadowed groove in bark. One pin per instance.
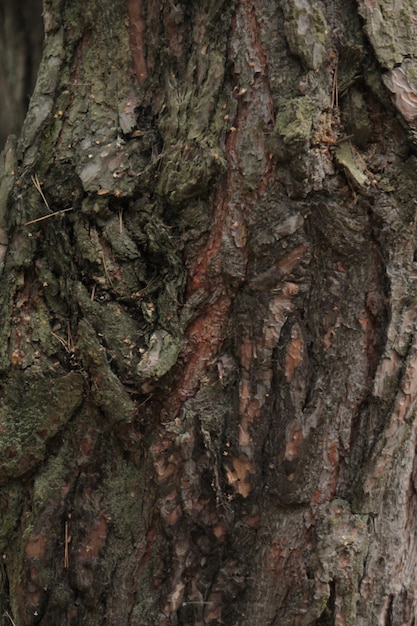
(327, 618)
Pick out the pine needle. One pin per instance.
(35, 181)
(38, 187)
(7, 614)
(45, 217)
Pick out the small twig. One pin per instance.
(106, 270)
(66, 551)
(146, 399)
(45, 217)
(335, 90)
(151, 164)
(75, 83)
(342, 139)
(7, 614)
(70, 341)
(68, 344)
(61, 341)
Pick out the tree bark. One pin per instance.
(208, 300)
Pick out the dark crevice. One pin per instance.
(389, 615)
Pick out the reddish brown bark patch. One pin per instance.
(94, 541)
(136, 30)
(35, 547)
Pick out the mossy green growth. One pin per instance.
(106, 388)
(51, 288)
(187, 172)
(122, 335)
(50, 479)
(53, 480)
(123, 246)
(292, 130)
(11, 503)
(32, 410)
(193, 126)
(129, 505)
(124, 491)
(42, 330)
(307, 32)
(88, 243)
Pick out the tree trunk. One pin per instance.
(208, 344)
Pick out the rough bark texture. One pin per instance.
(208, 345)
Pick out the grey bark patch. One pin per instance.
(160, 356)
(400, 83)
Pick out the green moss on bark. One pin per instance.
(33, 409)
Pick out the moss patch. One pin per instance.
(32, 410)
